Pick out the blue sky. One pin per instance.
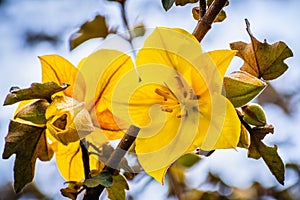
(271, 19)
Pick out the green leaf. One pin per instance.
(36, 91)
(184, 2)
(117, 190)
(28, 143)
(241, 87)
(167, 4)
(97, 28)
(188, 160)
(34, 112)
(270, 155)
(103, 178)
(262, 59)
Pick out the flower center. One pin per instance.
(184, 102)
(61, 122)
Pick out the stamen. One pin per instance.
(162, 93)
(166, 109)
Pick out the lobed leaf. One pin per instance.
(36, 91)
(262, 59)
(270, 155)
(97, 28)
(28, 143)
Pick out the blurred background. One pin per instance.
(30, 28)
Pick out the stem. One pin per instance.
(204, 24)
(124, 17)
(123, 146)
(245, 124)
(90, 193)
(131, 36)
(177, 186)
(114, 161)
(85, 158)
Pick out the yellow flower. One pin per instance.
(57, 69)
(74, 113)
(67, 120)
(178, 103)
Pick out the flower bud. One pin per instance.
(241, 87)
(67, 120)
(254, 115)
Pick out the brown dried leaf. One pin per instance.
(262, 59)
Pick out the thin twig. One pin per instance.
(131, 35)
(114, 161)
(202, 8)
(204, 24)
(90, 193)
(124, 17)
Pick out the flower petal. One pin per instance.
(69, 158)
(222, 59)
(219, 126)
(69, 161)
(160, 48)
(57, 69)
(202, 71)
(102, 71)
(157, 149)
